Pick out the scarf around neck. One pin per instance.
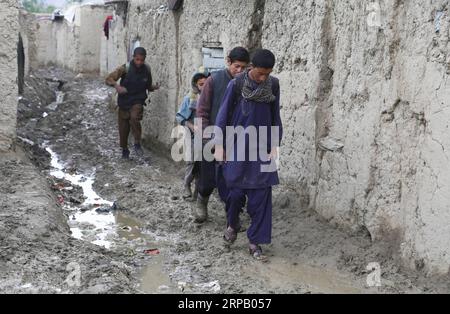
(263, 92)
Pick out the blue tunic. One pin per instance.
(248, 174)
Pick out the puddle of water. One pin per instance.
(163, 239)
(318, 280)
(128, 228)
(154, 280)
(105, 224)
(109, 226)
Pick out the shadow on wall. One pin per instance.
(20, 64)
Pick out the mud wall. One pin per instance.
(28, 34)
(113, 50)
(365, 94)
(365, 88)
(91, 34)
(74, 44)
(9, 34)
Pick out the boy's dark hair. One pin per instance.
(139, 51)
(197, 77)
(263, 58)
(239, 54)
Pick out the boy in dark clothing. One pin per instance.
(207, 109)
(135, 83)
(252, 101)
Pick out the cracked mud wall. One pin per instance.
(28, 30)
(364, 86)
(113, 51)
(9, 36)
(91, 34)
(373, 81)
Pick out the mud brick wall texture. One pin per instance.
(365, 103)
(9, 35)
(365, 96)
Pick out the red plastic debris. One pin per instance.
(152, 252)
(58, 187)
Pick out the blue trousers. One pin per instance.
(259, 207)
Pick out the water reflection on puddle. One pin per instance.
(103, 224)
(108, 229)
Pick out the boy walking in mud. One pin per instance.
(135, 83)
(185, 117)
(251, 102)
(207, 109)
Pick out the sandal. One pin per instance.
(257, 253)
(230, 236)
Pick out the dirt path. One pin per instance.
(308, 255)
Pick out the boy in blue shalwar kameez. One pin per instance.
(252, 101)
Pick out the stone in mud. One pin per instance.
(109, 209)
(75, 200)
(104, 210)
(152, 252)
(84, 209)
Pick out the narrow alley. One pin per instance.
(127, 228)
(359, 202)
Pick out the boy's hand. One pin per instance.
(219, 154)
(197, 129)
(273, 154)
(156, 87)
(191, 126)
(121, 90)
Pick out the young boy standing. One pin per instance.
(185, 117)
(135, 83)
(252, 101)
(207, 109)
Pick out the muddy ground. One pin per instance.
(48, 221)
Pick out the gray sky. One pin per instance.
(56, 3)
(61, 3)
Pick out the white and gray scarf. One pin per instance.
(263, 93)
